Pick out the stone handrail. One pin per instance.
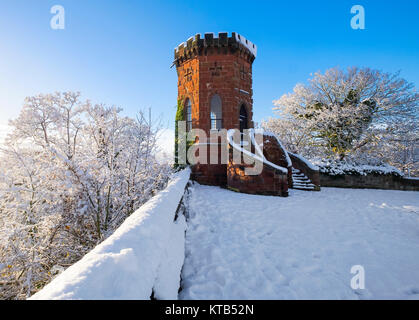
(306, 167)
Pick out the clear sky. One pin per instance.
(120, 52)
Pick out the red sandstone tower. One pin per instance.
(215, 87)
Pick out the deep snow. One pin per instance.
(242, 246)
(144, 255)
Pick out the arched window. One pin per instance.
(188, 108)
(216, 113)
(243, 118)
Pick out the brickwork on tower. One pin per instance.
(211, 66)
(221, 66)
(208, 66)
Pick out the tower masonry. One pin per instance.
(215, 87)
(215, 90)
(215, 80)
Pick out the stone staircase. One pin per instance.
(301, 181)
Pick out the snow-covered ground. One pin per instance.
(242, 246)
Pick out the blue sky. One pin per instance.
(120, 52)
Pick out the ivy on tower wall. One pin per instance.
(180, 116)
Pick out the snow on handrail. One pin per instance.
(230, 134)
(257, 146)
(287, 157)
(308, 163)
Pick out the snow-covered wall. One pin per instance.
(144, 255)
(305, 161)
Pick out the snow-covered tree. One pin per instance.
(399, 148)
(340, 112)
(71, 172)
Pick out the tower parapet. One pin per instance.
(222, 44)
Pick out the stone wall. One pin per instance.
(271, 181)
(274, 153)
(212, 174)
(230, 77)
(369, 181)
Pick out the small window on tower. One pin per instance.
(188, 107)
(216, 113)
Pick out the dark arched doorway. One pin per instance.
(243, 118)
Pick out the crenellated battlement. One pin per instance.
(223, 43)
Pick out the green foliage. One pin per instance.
(180, 114)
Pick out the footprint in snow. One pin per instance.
(412, 291)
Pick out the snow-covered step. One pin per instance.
(303, 188)
(308, 185)
(301, 181)
(301, 178)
